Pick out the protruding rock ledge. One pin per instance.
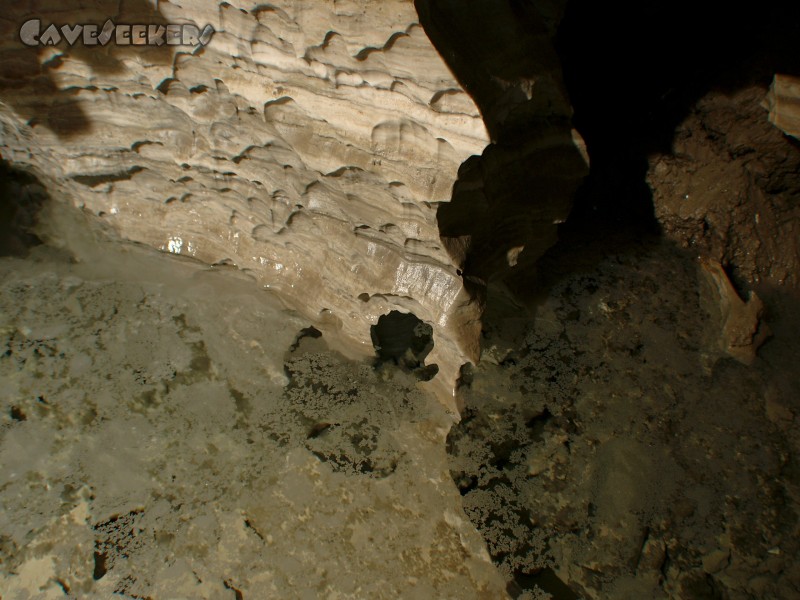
(315, 146)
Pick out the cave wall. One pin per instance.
(783, 102)
(328, 149)
(508, 203)
(308, 144)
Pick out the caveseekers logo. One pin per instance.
(32, 34)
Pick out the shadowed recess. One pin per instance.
(21, 199)
(632, 85)
(404, 340)
(506, 203)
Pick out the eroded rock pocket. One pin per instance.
(402, 339)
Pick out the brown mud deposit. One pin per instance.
(170, 430)
(729, 188)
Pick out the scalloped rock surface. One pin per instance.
(308, 144)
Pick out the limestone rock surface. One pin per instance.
(783, 102)
(308, 144)
(507, 203)
(741, 328)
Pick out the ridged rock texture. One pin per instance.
(321, 147)
(783, 102)
(308, 144)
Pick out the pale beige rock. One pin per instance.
(783, 103)
(742, 330)
(308, 144)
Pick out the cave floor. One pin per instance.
(170, 431)
(610, 449)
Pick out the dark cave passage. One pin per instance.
(21, 198)
(625, 489)
(633, 72)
